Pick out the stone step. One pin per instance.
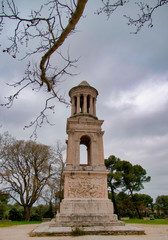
(45, 229)
(87, 223)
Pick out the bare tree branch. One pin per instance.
(145, 16)
(42, 34)
(109, 6)
(70, 27)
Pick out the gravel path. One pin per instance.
(153, 232)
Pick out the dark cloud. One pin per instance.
(123, 125)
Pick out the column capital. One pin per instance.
(100, 132)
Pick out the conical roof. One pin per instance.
(84, 83)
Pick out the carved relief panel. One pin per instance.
(86, 185)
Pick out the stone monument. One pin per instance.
(85, 204)
(85, 185)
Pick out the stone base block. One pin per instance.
(45, 229)
(86, 212)
(85, 221)
(80, 206)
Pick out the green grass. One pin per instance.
(138, 221)
(14, 223)
(141, 221)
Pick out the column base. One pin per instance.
(86, 212)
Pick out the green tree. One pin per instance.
(25, 169)
(50, 212)
(4, 197)
(162, 203)
(38, 212)
(144, 204)
(125, 205)
(133, 177)
(16, 213)
(114, 178)
(123, 176)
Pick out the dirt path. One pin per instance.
(153, 232)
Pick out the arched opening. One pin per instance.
(83, 155)
(85, 151)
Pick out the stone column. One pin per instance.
(84, 103)
(94, 152)
(91, 105)
(100, 148)
(73, 106)
(70, 147)
(77, 153)
(94, 106)
(78, 104)
(89, 154)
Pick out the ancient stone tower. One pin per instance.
(85, 185)
(85, 204)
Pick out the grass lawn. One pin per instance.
(138, 221)
(13, 223)
(141, 221)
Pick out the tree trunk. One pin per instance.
(136, 208)
(114, 201)
(27, 213)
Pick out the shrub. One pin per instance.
(16, 214)
(35, 216)
(77, 232)
(2, 211)
(49, 213)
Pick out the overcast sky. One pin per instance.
(130, 73)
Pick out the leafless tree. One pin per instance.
(25, 169)
(54, 188)
(43, 33)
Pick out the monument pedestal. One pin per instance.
(86, 212)
(86, 202)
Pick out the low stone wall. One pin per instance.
(124, 218)
(46, 219)
(5, 221)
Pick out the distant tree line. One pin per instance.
(15, 212)
(144, 202)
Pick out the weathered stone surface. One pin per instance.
(86, 212)
(47, 228)
(85, 184)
